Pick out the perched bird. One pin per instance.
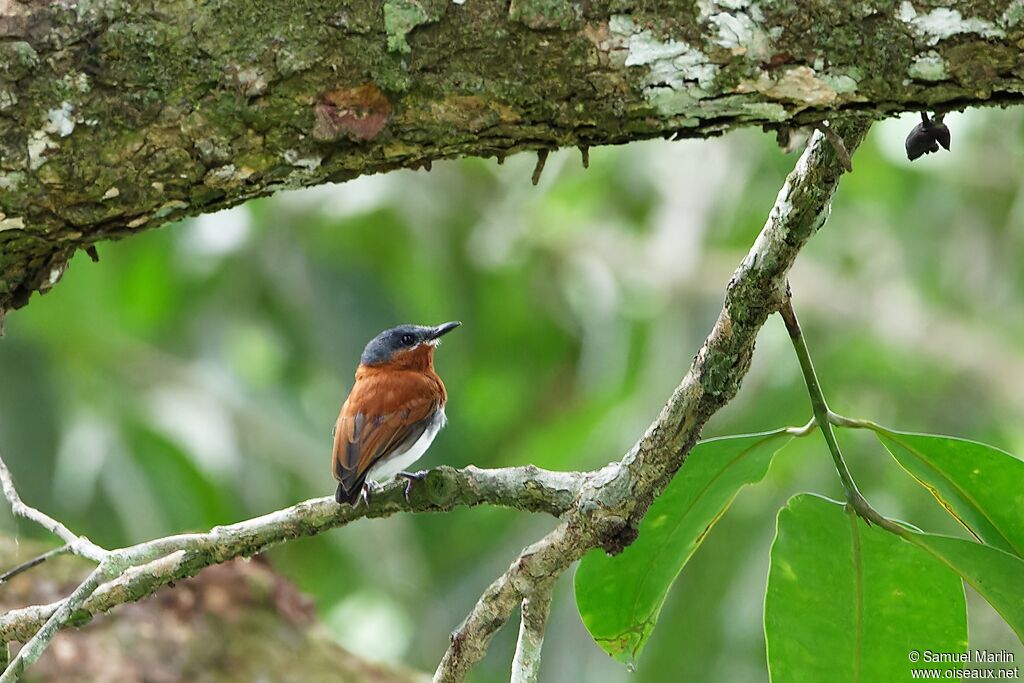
(393, 413)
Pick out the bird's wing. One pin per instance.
(384, 415)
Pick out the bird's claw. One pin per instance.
(410, 479)
(369, 486)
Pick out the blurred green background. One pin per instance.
(192, 377)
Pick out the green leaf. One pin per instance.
(619, 598)
(982, 486)
(997, 576)
(848, 603)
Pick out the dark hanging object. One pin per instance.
(927, 136)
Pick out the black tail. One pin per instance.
(349, 495)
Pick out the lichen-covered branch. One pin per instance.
(37, 644)
(80, 545)
(533, 621)
(117, 116)
(611, 506)
(141, 569)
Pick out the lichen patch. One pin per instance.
(796, 84)
(942, 23)
(402, 16)
(678, 73)
(738, 26)
(928, 67)
(60, 121)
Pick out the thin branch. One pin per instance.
(34, 562)
(80, 545)
(533, 621)
(535, 569)
(156, 563)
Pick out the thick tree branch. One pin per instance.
(120, 115)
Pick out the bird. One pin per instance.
(393, 412)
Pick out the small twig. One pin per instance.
(79, 545)
(837, 144)
(533, 620)
(35, 561)
(542, 156)
(585, 155)
(823, 417)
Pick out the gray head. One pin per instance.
(389, 342)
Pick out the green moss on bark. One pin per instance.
(117, 115)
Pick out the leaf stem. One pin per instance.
(825, 418)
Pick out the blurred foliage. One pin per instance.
(193, 376)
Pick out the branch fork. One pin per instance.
(597, 509)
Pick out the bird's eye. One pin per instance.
(408, 339)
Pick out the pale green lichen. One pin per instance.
(929, 67)
(11, 181)
(839, 82)
(1013, 14)
(678, 74)
(942, 23)
(401, 17)
(17, 59)
(739, 27)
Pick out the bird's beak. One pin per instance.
(444, 329)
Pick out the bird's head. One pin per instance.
(405, 343)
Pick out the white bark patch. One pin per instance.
(60, 120)
(38, 144)
(293, 158)
(739, 27)
(942, 23)
(678, 74)
(14, 223)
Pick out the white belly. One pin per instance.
(400, 462)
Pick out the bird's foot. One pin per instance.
(369, 487)
(410, 479)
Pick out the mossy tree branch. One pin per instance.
(120, 115)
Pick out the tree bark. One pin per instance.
(120, 115)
